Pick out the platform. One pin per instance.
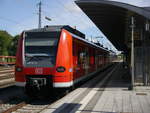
(109, 95)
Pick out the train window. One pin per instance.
(41, 42)
(41, 48)
(41, 39)
(83, 57)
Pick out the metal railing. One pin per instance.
(7, 60)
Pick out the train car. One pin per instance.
(56, 57)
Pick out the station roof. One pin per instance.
(110, 17)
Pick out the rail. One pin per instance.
(7, 60)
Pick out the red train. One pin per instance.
(56, 57)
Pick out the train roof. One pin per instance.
(93, 44)
(58, 28)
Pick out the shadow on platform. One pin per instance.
(120, 78)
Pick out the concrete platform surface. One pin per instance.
(110, 95)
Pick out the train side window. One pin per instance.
(82, 57)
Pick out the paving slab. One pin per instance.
(105, 97)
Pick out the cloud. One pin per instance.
(72, 7)
(139, 3)
(70, 14)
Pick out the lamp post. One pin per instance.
(147, 25)
(132, 51)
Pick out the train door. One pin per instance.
(77, 60)
(96, 59)
(92, 60)
(86, 61)
(83, 59)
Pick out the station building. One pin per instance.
(128, 28)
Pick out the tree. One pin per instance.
(13, 45)
(5, 40)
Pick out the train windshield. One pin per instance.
(41, 48)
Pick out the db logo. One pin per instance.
(39, 71)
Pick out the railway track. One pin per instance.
(24, 105)
(37, 106)
(8, 107)
(10, 97)
(6, 68)
(6, 76)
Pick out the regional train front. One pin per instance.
(55, 58)
(36, 58)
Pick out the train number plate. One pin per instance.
(38, 70)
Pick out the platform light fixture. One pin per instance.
(147, 25)
(47, 18)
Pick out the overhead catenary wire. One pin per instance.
(84, 22)
(80, 20)
(58, 17)
(55, 17)
(8, 20)
(77, 20)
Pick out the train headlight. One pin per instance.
(60, 69)
(19, 69)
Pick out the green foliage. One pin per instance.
(8, 44)
(5, 40)
(13, 45)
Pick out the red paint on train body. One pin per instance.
(56, 56)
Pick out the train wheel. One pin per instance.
(72, 88)
(66, 91)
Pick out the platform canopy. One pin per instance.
(110, 17)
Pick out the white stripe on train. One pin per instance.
(66, 84)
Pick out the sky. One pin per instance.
(19, 15)
(139, 3)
